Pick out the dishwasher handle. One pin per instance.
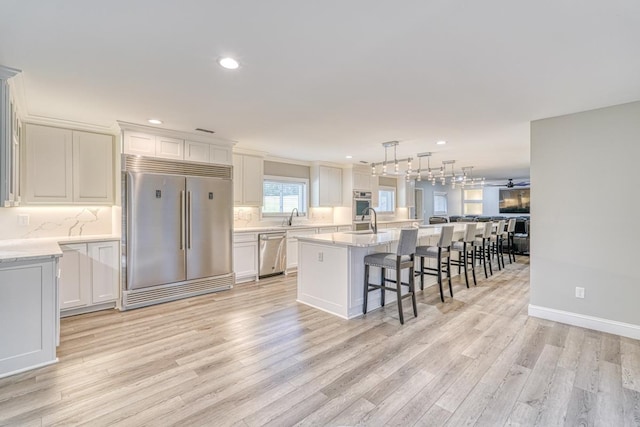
(275, 237)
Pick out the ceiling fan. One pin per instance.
(510, 184)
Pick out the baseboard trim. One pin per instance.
(590, 322)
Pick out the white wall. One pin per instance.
(584, 173)
(58, 221)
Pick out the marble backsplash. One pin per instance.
(251, 217)
(55, 221)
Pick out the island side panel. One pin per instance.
(323, 277)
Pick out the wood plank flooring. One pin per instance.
(252, 356)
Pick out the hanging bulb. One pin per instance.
(373, 169)
(430, 174)
(384, 168)
(433, 182)
(396, 167)
(419, 176)
(409, 165)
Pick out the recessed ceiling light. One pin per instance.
(228, 63)
(441, 142)
(349, 157)
(155, 121)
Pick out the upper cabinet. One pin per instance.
(248, 171)
(326, 186)
(174, 147)
(63, 166)
(10, 129)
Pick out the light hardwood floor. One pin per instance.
(253, 356)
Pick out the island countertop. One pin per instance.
(39, 248)
(368, 239)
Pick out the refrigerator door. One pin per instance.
(155, 230)
(209, 227)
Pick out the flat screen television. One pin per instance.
(515, 200)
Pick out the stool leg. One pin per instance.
(366, 289)
(383, 275)
(502, 251)
(422, 273)
(484, 260)
(412, 289)
(464, 261)
(473, 266)
(489, 259)
(399, 293)
(449, 273)
(440, 276)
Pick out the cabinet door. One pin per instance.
(104, 271)
(48, 165)
(361, 181)
(252, 176)
(292, 253)
(196, 151)
(245, 259)
(141, 144)
(169, 148)
(92, 167)
(335, 187)
(219, 154)
(237, 179)
(75, 277)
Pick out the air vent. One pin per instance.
(165, 293)
(363, 162)
(205, 130)
(153, 165)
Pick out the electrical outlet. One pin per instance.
(579, 292)
(320, 256)
(23, 219)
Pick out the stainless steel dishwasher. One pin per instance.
(273, 253)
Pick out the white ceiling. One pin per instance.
(323, 79)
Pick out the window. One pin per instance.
(472, 201)
(386, 199)
(281, 195)
(439, 203)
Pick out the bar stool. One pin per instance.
(398, 261)
(465, 249)
(442, 254)
(497, 243)
(511, 231)
(482, 244)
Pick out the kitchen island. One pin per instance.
(29, 315)
(331, 268)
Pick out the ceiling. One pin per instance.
(320, 80)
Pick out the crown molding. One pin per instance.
(190, 136)
(8, 72)
(71, 124)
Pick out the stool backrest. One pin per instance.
(500, 228)
(470, 232)
(408, 241)
(446, 235)
(488, 226)
(438, 220)
(511, 225)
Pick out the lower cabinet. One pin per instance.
(89, 276)
(292, 246)
(245, 256)
(28, 315)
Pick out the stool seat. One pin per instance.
(387, 260)
(431, 251)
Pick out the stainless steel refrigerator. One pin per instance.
(178, 239)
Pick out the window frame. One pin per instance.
(286, 180)
(472, 202)
(443, 195)
(392, 190)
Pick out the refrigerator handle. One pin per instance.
(189, 214)
(182, 215)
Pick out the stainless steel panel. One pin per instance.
(152, 165)
(209, 227)
(154, 231)
(272, 253)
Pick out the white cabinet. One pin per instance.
(174, 148)
(89, 276)
(169, 148)
(65, 166)
(326, 186)
(105, 271)
(75, 275)
(29, 323)
(247, 180)
(10, 128)
(292, 246)
(245, 256)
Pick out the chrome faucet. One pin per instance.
(375, 218)
(291, 216)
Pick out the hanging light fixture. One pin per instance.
(396, 161)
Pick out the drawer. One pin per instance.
(245, 237)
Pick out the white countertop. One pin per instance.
(383, 237)
(33, 249)
(309, 225)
